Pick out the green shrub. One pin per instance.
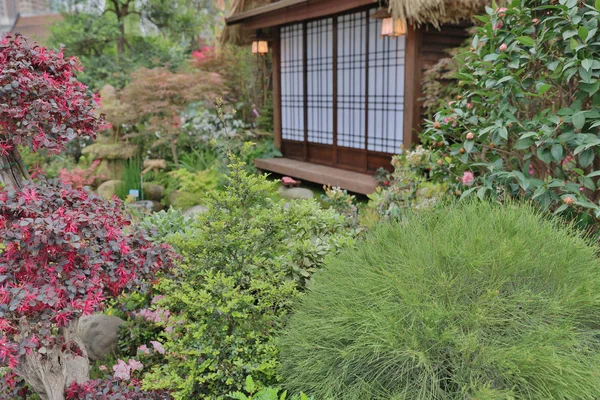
(526, 122)
(244, 262)
(193, 186)
(408, 187)
(165, 223)
(476, 302)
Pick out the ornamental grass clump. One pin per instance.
(476, 302)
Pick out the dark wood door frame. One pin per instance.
(412, 93)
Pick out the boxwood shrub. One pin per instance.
(475, 302)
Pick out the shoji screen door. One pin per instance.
(342, 90)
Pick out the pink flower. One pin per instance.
(143, 349)
(135, 365)
(122, 370)
(536, 21)
(498, 25)
(198, 55)
(158, 347)
(531, 170)
(501, 11)
(468, 178)
(503, 47)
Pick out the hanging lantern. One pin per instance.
(393, 27)
(260, 47)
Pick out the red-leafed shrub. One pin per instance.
(64, 251)
(112, 389)
(42, 105)
(79, 177)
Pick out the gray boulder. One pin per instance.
(100, 334)
(296, 193)
(109, 188)
(195, 210)
(153, 192)
(146, 205)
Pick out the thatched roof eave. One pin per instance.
(417, 12)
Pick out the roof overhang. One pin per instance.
(289, 11)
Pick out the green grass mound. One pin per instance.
(479, 302)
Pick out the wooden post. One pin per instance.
(277, 123)
(412, 87)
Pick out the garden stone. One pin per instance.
(100, 334)
(153, 191)
(173, 196)
(147, 205)
(195, 210)
(296, 193)
(109, 188)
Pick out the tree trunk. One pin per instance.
(49, 373)
(11, 174)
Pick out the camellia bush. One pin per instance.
(526, 123)
(63, 251)
(482, 301)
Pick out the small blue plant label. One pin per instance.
(134, 193)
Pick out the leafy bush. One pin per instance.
(245, 260)
(526, 122)
(253, 392)
(193, 187)
(408, 187)
(476, 302)
(165, 223)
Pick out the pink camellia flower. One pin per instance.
(498, 25)
(501, 11)
(143, 349)
(122, 370)
(157, 346)
(536, 21)
(135, 365)
(503, 47)
(468, 178)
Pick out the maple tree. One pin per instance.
(63, 251)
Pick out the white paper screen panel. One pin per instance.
(292, 85)
(319, 77)
(386, 90)
(352, 33)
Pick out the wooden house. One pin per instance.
(346, 89)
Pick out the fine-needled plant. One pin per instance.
(476, 302)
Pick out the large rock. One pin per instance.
(297, 193)
(146, 205)
(100, 334)
(195, 210)
(109, 188)
(153, 192)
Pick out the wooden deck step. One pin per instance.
(351, 181)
